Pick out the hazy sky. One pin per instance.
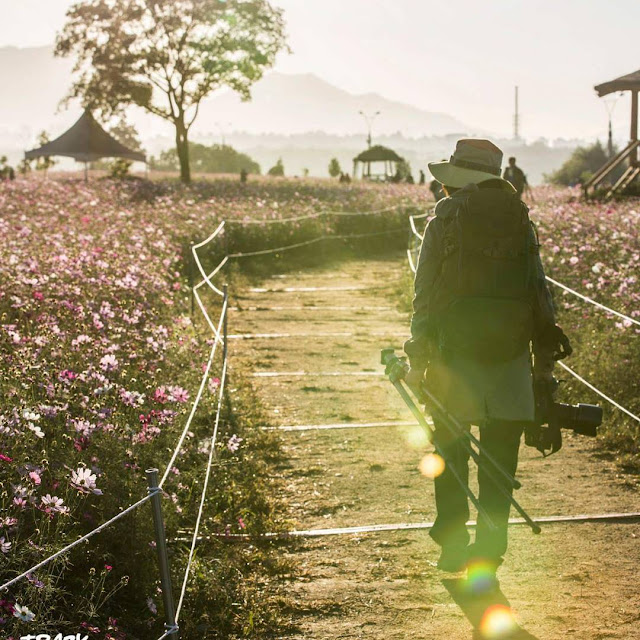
(462, 57)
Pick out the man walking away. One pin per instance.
(515, 175)
(481, 307)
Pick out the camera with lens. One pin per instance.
(546, 434)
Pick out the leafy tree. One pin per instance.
(582, 164)
(167, 55)
(44, 163)
(214, 159)
(277, 169)
(5, 169)
(334, 168)
(125, 133)
(24, 167)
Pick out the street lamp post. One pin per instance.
(369, 120)
(221, 127)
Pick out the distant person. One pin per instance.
(409, 179)
(423, 178)
(436, 189)
(243, 176)
(515, 175)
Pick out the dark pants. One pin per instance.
(502, 441)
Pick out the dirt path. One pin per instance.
(573, 581)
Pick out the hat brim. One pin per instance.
(458, 177)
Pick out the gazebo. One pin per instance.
(376, 155)
(631, 83)
(86, 141)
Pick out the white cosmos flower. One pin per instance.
(84, 480)
(23, 613)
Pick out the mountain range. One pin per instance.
(34, 82)
(300, 118)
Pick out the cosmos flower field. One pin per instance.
(100, 359)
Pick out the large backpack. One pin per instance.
(483, 296)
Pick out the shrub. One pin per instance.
(582, 164)
(334, 168)
(208, 159)
(277, 169)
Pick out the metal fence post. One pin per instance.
(225, 329)
(171, 626)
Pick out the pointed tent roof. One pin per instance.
(624, 83)
(85, 141)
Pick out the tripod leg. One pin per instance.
(421, 419)
(447, 419)
(451, 420)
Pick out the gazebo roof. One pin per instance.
(378, 153)
(624, 83)
(85, 141)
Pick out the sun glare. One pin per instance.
(497, 622)
(431, 466)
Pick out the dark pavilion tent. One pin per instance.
(629, 155)
(86, 141)
(376, 156)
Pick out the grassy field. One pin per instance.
(101, 360)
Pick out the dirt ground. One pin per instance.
(572, 581)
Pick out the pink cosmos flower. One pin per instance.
(109, 363)
(34, 476)
(214, 383)
(160, 395)
(178, 394)
(234, 443)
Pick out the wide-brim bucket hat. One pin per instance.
(473, 161)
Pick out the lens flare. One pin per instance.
(481, 577)
(497, 622)
(431, 466)
(416, 437)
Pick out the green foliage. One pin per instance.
(125, 133)
(44, 164)
(24, 167)
(6, 170)
(277, 170)
(167, 56)
(208, 159)
(582, 164)
(403, 172)
(334, 168)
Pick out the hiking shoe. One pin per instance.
(453, 558)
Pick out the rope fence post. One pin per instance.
(191, 279)
(171, 627)
(225, 324)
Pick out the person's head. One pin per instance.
(512, 161)
(473, 161)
